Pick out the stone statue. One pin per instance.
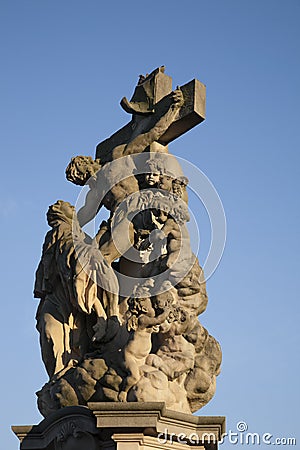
(59, 322)
(118, 315)
(68, 293)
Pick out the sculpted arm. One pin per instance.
(89, 210)
(142, 141)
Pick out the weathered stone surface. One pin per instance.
(73, 428)
(121, 426)
(118, 313)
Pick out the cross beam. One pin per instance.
(150, 101)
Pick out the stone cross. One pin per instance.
(148, 103)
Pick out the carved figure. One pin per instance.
(143, 323)
(165, 174)
(58, 320)
(179, 188)
(175, 355)
(98, 341)
(68, 292)
(174, 234)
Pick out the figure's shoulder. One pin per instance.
(118, 151)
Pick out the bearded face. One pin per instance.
(80, 169)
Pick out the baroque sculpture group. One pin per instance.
(118, 312)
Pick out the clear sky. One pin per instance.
(65, 65)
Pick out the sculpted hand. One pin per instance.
(177, 97)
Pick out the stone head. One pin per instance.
(60, 212)
(81, 169)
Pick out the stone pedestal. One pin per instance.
(121, 426)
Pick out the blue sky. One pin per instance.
(65, 65)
